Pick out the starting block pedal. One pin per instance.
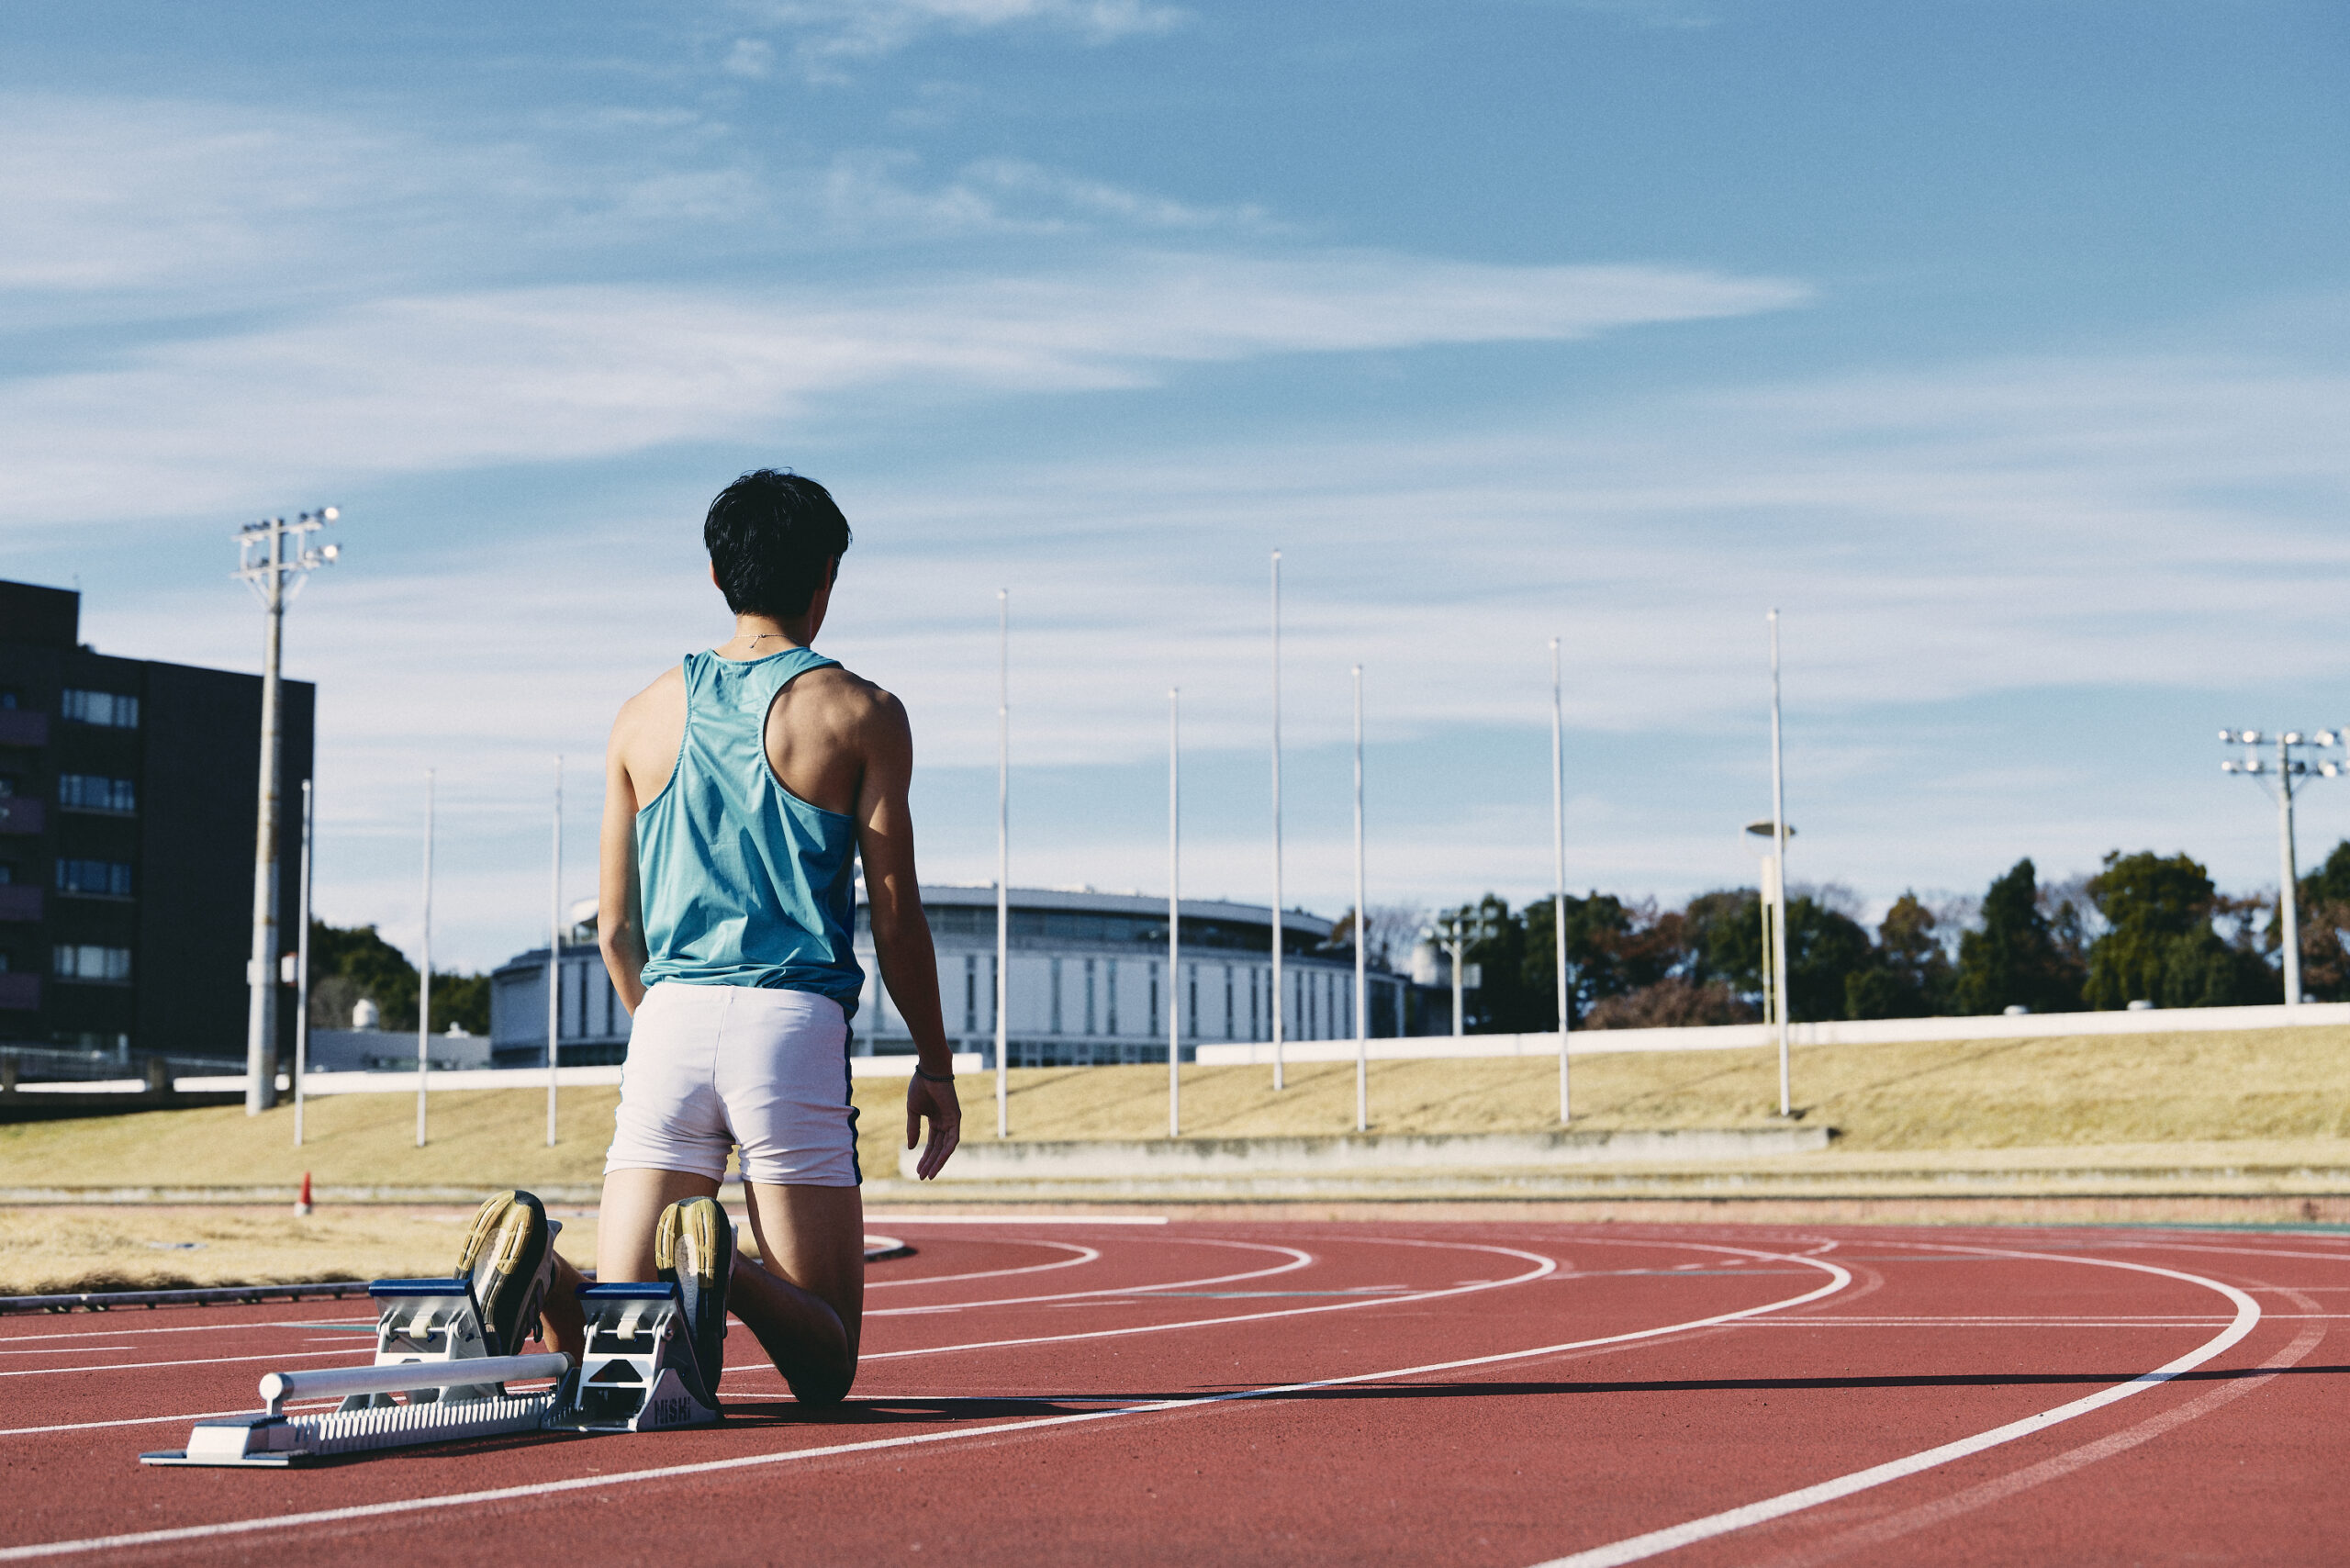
(639, 1376)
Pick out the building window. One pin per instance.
(7, 873)
(1153, 1030)
(1056, 996)
(970, 993)
(995, 986)
(8, 697)
(1228, 1001)
(109, 709)
(1192, 1000)
(95, 879)
(1111, 1007)
(89, 792)
(1252, 1006)
(85, 961)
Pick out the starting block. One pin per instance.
(638, 1376)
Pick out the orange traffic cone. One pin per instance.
(302, 1202)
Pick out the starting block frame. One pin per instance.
(639, 1375)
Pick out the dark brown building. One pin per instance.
(127, 816)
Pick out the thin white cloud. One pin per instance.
(546, 374)
(836, 30)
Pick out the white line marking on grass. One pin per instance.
(1655, 1543)
(1839, 1279)
(1084, 1255)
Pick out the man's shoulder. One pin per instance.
(846, 698)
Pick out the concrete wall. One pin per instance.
(1867, 1031)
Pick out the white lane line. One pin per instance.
(1017, 1219)
(1298, 1259)
(1084, 1255)
(153, 1421)
(1655, 1543)
(65, 1351)
(1942, 1511)
(182, 1328)
(1838, 1278)
(193, 1361)
(1549, 1266)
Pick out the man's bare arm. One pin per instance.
(620, 907)
(902, 946)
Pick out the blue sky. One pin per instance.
(2001, 346)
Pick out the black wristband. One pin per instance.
(934, 1077)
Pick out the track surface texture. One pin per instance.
(1076, 1390)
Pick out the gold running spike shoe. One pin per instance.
(693, 1245)
(508, 1260)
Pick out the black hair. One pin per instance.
(771, 536)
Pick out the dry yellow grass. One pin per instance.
(2281, 1085)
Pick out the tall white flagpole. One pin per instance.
(424, 968)
(1779, 887)
(1362, 946)
(1279, 1009)
(1003, 862)
(302, 971)
(1558, 866)
(555, 956)
(1174, 918)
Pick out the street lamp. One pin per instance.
(2291, 772)
(274, 560)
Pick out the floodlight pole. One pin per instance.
(275, 577)
(302, 970)
(1002, 860)
(1557, 868)
(1280, 1007)
(1362, 948)
(1779, 887)
(1174, 919)
(2293, 777)
(424, 968)
(554, 957)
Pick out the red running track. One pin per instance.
(1504, 1392)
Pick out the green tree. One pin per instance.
(2015, 959)
(350, 962)
(2325, 927)
(2160, 946)
(1912, 975)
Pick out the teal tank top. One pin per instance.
(743, 882)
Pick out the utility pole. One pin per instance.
(1280, 1008)
(1779, 887)
(424, 969)
(1558, 866)
(2292, 773)
(302, 967)
(1002, 861)
(554, 957)
(1174, 919)
(1362, 947)
(275, 574)
(1454, 933)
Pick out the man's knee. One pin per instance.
(824, 1386)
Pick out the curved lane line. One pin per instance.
(1084, 1255)
(1298, 1260)
(1838, 1281)
(1656, 1543)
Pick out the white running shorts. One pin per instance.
(714, 1067)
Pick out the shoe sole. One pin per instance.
(702, 1255)
(511, 1243)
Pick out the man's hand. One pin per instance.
(936, 1101)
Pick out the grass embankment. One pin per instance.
(2257, 1097)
